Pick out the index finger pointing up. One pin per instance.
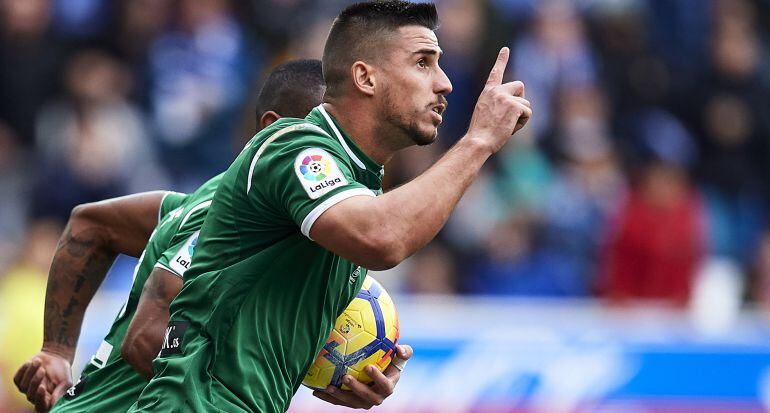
(496, 75)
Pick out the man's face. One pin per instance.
(413, 85)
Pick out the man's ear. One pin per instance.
(364, 77)
(267, 119)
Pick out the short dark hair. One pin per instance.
(357, 30)
(292, 89)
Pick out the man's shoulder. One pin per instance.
(294, 136)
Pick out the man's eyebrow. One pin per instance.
(427, 51)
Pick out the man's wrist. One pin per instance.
(61, 350)
(477, 143)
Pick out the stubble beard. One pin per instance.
(406, 123)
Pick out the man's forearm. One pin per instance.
(144, 336)
(380, 232)
(95, 234)
(415, 212)
(79, 266)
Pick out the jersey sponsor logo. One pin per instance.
(78, 388)
(318, 172)
(172, 339)
(183, 258)
(354, 276)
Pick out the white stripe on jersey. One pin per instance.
(204, 204)
(340, 138)
(274, 137)
(313, 215)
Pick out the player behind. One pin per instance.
(297, 215)
(97, 232)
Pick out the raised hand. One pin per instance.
(44, 379)
(501, 109)
(366, 396)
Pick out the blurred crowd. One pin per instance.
(643, 168)
(644, 173)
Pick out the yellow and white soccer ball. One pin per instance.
(366, 333)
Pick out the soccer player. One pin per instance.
(299, 216)
(97, 232)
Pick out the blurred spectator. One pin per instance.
(200, 73)
(31, 63)
(432, 271)
(555, 54)
(13, 184)
(618, 88)
(92, 144)
(657, 240)
(762, 270)
(22, 296)
(734, 122)
(634, 75)
(460, 36)
(138, 24)
(585, 192)
(511, 263)
(80, 18)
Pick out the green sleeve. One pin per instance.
(178, 256)
(303, 175)
(171, 201)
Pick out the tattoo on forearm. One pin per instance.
(78, 269)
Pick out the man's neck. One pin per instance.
(363, 129)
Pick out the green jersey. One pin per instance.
(261, 297)
(108, 383)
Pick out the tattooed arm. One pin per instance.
(145, 334)
(95, 234)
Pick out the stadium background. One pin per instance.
(614, 257)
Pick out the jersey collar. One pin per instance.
(356, 154)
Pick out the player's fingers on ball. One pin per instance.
(327, 398)
(404, 352)
(382, 384)
(348, 398)
(392, 372)
(365, 392)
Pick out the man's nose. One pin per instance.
(442, 86)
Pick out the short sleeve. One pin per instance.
(304, 176)
(178, 256)
(171, 201)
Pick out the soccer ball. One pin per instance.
(366, 333)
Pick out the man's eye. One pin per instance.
(422, 63)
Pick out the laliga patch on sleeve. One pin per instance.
(318, 172)
(183, 258)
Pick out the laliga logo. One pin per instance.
(191, 248)
(314, 168)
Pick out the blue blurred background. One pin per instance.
(615, 256)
